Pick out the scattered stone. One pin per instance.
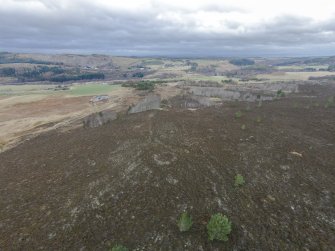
(271, 197)
(285, 167)
(296, 154)
(171, 180)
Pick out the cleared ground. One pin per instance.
(26, 110)
(30, 109)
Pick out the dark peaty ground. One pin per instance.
(127, 182)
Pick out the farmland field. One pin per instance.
(288, 76)
(91, 89)
(25, 89)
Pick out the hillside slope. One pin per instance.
(127, 182)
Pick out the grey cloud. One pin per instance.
(86, 27)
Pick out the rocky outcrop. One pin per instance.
(149, 103)
(99, 119)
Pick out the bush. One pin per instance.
(218, 227)
(119, 248)
(239, 180)
(185, 222)
(243, 127)
(145, 86)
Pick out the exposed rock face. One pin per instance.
(225, 94)
(99, 118)
(149, 103)
(192, 101)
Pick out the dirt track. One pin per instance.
(128, 181)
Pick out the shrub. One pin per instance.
(258, 119)
(239, 180)
(218, 227)
(185, 222)
(119, 248)
(145, 85)
(243, 127)
(238, 114)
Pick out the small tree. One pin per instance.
(185, 222)
(218, 227)
(239, 180)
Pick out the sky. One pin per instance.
(198, 28)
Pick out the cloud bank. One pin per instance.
(169, 28)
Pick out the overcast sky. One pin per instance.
(169, 28)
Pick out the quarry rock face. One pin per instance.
(99, 119)
(230, 95)
(149, 103)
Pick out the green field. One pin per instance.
(75, 90)
(91, 89)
